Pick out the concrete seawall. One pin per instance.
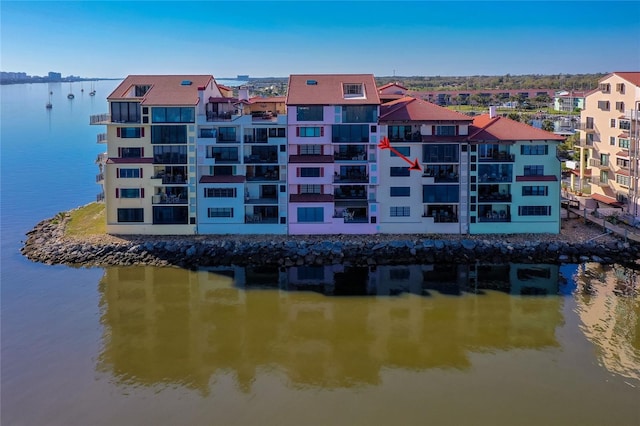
(48, 244)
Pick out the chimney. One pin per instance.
(243, 93)
(492, 111)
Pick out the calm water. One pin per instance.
(415, 345)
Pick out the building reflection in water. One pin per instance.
(174, 327)
(608, 302)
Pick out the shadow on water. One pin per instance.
(423, 280)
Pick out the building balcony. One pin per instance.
(100, 197)
(350, 192)
(356, 156)
(595, 180)
(492, 198)
(221, 116)
(266, 117)
(102, 158)
(101, 138)
(595, 162)
(169, 199)
(307, 159)
(259, 159)
(586, 127)
(350, 178)
(501, 156)
(99, 119)
(99, 177)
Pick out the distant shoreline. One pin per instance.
(5, 82)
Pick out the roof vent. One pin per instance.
(185, 83)
(312, 83)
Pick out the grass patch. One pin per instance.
(87, 220)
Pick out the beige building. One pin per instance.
(609, 140)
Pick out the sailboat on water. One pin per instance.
(70, 95)
(93, 91)
(49, 104)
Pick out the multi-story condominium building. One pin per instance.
(241, 165)
(332, 137)
(184, 156)
(514, 177)
(568, 101)
(431, 198)
(489, 174)
(150, 165)
(609, 135)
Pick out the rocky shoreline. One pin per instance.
(578, 242)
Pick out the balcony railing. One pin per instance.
(595, 162)
(99, 177)
(102, 158)
(489, 198)
(219, 116)
(596, 180)
(100, 197)
(501, 156)
(586, 127)
(101, 138)
(350, 178)
(168, 199)
(260, 159)
(100, 119)
(356, 156)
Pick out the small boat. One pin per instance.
(93, 91)
(70, 95)
(49, 104)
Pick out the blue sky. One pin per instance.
(453, 38)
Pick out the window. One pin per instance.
(223, 170)
(125, 112)
(623, 143)
(620, 106)
(170, 215)
(620, 88)
(623, 180)
(400, 133)
(220, 193)
(141, 90)
(277, 132)
(168, 134)
(402, 211)
(590, 138)
(440, 193)
(130, 215)
(535, 190)
(129, 192)
(445, 131)
(220, 212)
(613, 122)
(534, 149)
(359, 113)
(352, 90)
(173, 114)
(534, 170)
(129, 132)
(130, 152)
(603, 105)
(622, 162)
(128, 173)
(404, 150)
(310, 214)
(440, 153)
(309, 172)
(589, 124)
(534, 210)
(227, 134)
(604, 87)
(400, 191)
(309, 132)
(399, 171)
(604, 159)
(311, 189)
(350, 133)
(604, 176)
(223, 153)
(208, 133)
(309, 113)
(612, 140)
(624, 124)
(170, 154)
(310, 149)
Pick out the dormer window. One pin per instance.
(141, 90)
(353, 90)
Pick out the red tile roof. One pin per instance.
(328, 89)
(631, 77)
(607, 200)
(412, 109)
(222, 179)
(143, 160)
(386, 86)
(311, 198)
(164, 90)
(499, 128)
(622, 153)
(272, 99)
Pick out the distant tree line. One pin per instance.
(581, 82)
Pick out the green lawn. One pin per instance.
(87, 220)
